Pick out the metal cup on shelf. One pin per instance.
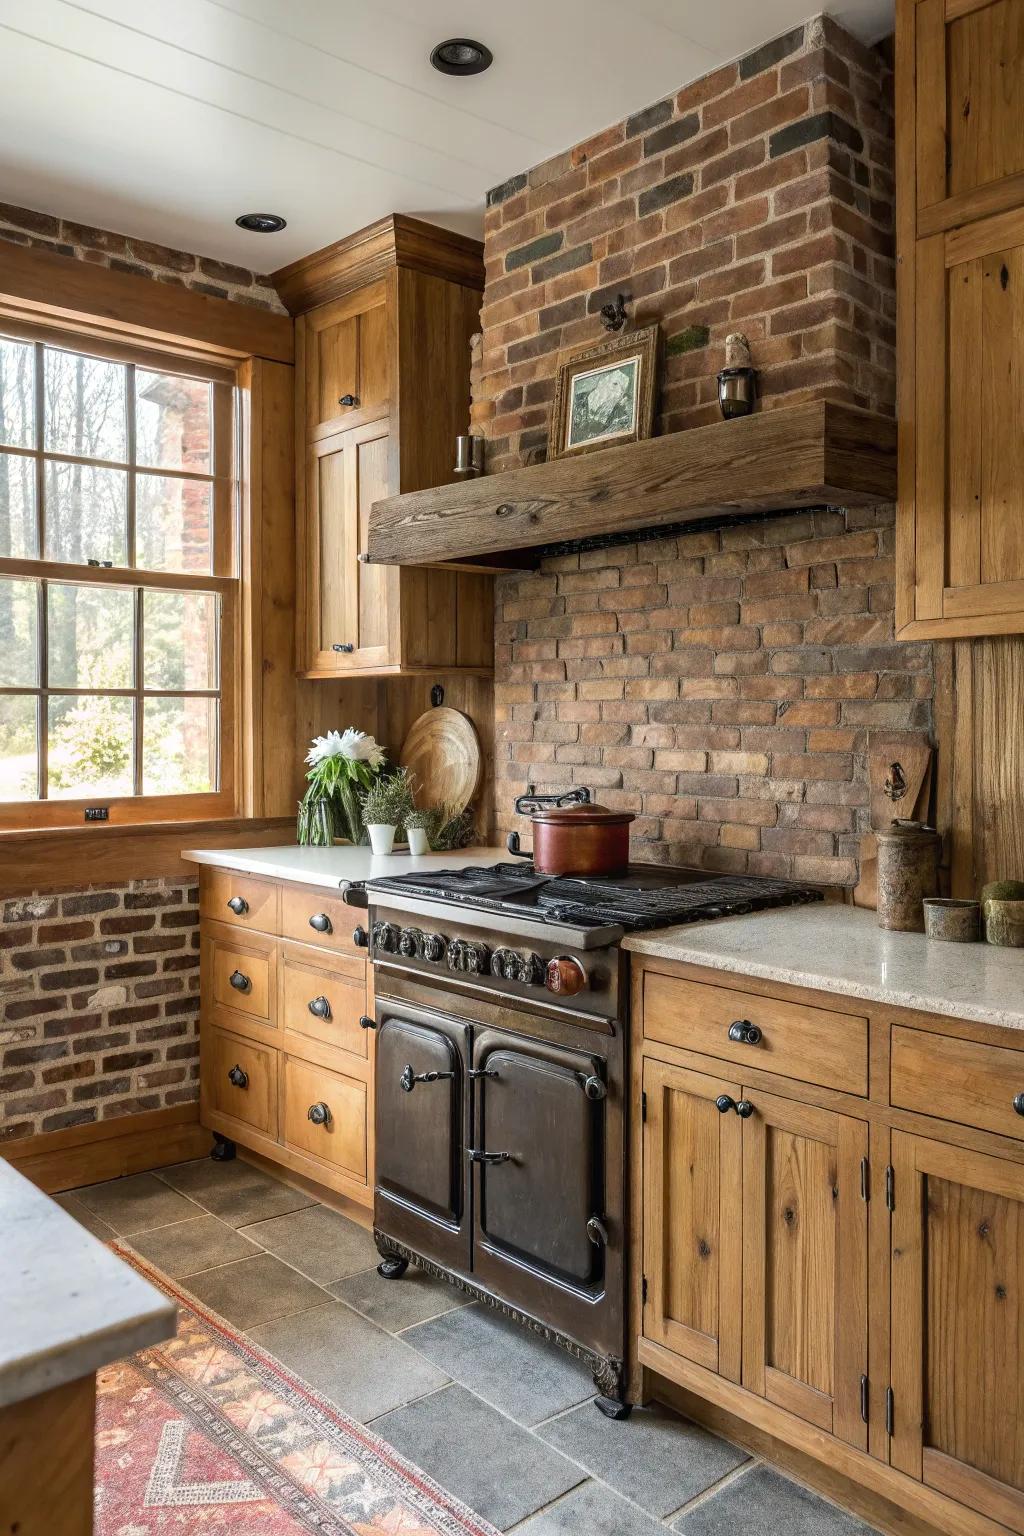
(469, 454)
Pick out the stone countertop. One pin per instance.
(841, 949)
(334, 867)
(70, 1305)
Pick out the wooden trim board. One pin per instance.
(109, 1149)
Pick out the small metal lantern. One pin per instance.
(737, 391)
(469, 455)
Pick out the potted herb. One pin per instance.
(343, 766)
(386, 807)
(450, 828)
(417, 826)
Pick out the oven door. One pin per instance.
(422, 1127)
(538, 1158)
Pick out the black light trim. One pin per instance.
(261, 223)
(461, 56)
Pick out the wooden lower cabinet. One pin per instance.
(286, 1047)
(841, 1273)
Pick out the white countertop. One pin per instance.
(836, 948)
(70, 1305)
(334, 867)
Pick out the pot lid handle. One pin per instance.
(534, 802)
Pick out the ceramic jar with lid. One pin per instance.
(908, 871)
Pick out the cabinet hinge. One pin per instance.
(890, 1411)
(865, 1179)
(864, 1398)
(643, 1289)
(890, 1187)
(643, 1107)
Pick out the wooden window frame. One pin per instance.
(225, 582)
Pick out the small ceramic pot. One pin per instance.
(419, 843)
(1004, 923)
(382, 838)
(957, 922)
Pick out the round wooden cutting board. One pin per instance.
(442, 754)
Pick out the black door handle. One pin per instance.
(724, 1103)
(320, 1114)
(490, 1158)
(597, 1232)
(345, 646)
(238, 905)
(409, 1078)
(481, 1072)
(365, 1022)
(348, 400)
(320, 1008)
(240, 981)
(360, 938)
(321, 923)
(745, 1033)
(592, 1086)
(238, 1078)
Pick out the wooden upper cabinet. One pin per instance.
(382, 365)
(958, 1315)
(960, 224)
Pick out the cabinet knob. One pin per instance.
(240, 981)
(347, 647)
(593, 1087)
(597, 1232)
(1018, 1103)
(745, 1033)
(349, 400)
(744, 1109)
(237, 1077)
(365, 1022)
(360, 938)
(320, 1008)
(321, 923)
(724, 1103)
(320, 1114)
(238, 905)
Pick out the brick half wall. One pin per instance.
(99, 1005)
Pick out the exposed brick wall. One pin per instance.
(99, 1005)
(722, 685)
(758, 199)
(123, 253)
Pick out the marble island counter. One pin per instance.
(841, 949)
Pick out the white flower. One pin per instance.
(357, 746)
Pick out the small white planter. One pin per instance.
(382, 838)
(418, 841)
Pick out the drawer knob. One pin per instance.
(320, 1008)
(237, 1077)
(349, 400)
(360, 938)
(745, 1033)
(724, 1103)
(1018, 1103)
(320, 1114)
(240, 981)
(238, 905)
(321, 923)
(365, 1022)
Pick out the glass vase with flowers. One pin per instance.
(343, 767)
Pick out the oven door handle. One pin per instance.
(409, 1078)
(490, 1158)
(481, 1072)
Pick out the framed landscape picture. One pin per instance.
(604, 394)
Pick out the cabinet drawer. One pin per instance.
(312, 917)
(341, 1138)
(242, 977)
(812, 1045)
(257, 900)
(240, 1080)
(954, 1079)
(322, 1003)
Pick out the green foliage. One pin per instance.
(450, 828)
(424, 819)
(389, 801)
(92, 745)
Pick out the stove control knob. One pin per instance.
(386, 937)
(565, 975)
(471, 958)
(408, 942)
(513, 965)
(433, 947)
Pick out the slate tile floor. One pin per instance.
(495, 1414)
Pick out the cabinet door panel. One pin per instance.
(958, 1312)
(805, 1262)
(347, 357)
(692, 1179)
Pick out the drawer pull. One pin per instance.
(409, 1078)
(489, 1158)
(360, 938)
(348, 400)
(321, 923)
(365, 1022)
(1018, 1103)
(320, 1114)
(724, 1103)
(238, 905)
(345, 646)
(745, 1033)
(320, 1008)
(238, 1077)
(240, 981)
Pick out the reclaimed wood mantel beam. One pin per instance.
(797, 456)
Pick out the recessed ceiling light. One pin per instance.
(461, 56)
(261, 223)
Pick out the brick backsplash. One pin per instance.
(722, 685)
(123, 253)
(758, 199)
(99, 1004)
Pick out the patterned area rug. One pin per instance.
(208, 1434)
